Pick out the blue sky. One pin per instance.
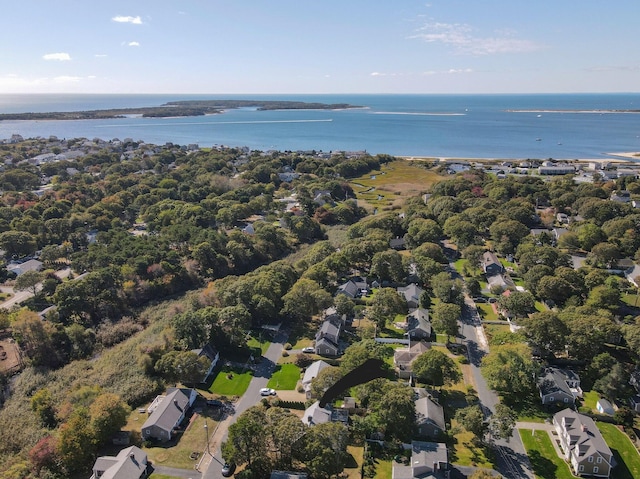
(319, 46)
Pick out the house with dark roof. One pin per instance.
(582, 444)
(398, 243)
(354, 288)
(428, 460)
(559, 386)
(404, 357)
(168, 414)
(429, 418)
(328, 337)
(491, 264)
(212, 356)
(315, 415)
(418, 325)
(411, 294)
(130, 463)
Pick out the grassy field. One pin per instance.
(589, 400)
(624, 451)
(257, 344)
(231, 382)
(384, 469)
(544, 459)
(285, 377)
(388, 188)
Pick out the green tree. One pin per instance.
(445, 319)
(436, 368)
(344, 305)
(182, 366)
(604, 297)
(17, 243)
(43, 405)
(29, 281)
(395, 411)
(545, 331)
(325, 449)
(385, 305)
(472, 419)
(518, 303)
(108, 414)
(324, 380)
(76, 443)
(509, 369)
(247, 439)
(502, 422)
(446, 289)
(358, 353)
(305, 298)
(387, 266)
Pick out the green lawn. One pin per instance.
(466, 452)
(545, 461)
(256, 344)
(589, 400)
(486, 312)
(624, 451)
(231, 382)
(285, 377)
(631, 299)
(384, 468)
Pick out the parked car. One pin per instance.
(215, 403)
(479, 299)
(228, 469)
(308, 349)
(267, 392)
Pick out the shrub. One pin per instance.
(288, 346)
(285, 354)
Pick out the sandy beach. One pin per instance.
(633, 158)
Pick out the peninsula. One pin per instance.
(176, 108)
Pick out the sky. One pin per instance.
(319, 46)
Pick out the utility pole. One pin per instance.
(206, 431)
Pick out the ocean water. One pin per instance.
(482, 126)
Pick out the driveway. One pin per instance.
(262, 373)
(511, 457)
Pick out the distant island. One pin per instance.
(176, 108)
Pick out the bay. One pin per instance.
(567, 126)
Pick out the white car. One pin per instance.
(308, 349)
(267, 392)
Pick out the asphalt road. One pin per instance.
(511, 457)
(251, 397)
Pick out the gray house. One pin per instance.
(310, 373)
(168, 413)
(418, 324)
(411, 294)
(582, 444)
(429, 418)
(130, 463)
(559, 386)
(403, 358)
(327, 337)
(428, 459)
(491, 264)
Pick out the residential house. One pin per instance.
(604, 407)
(582, 444)
(21, 268)
(315, 415)
(354, 288)
(429, 418)
(404, 357)
(310, 373)
(428, 460)
(328, 337)
(634, 402)
(621, 196)
(558, 385)
(212, 355)
(168, 414)
(411, 294)
(556, 170)
(491, 264)
(130, 463)
(418, 325)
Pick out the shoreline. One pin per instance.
(633, 158)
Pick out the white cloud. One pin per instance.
(133, 44)
(381, 74)
(100, 55)
(462, 39)
(57, 56)
(66, 79)
(127, 19)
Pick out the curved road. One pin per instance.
(251, 397)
